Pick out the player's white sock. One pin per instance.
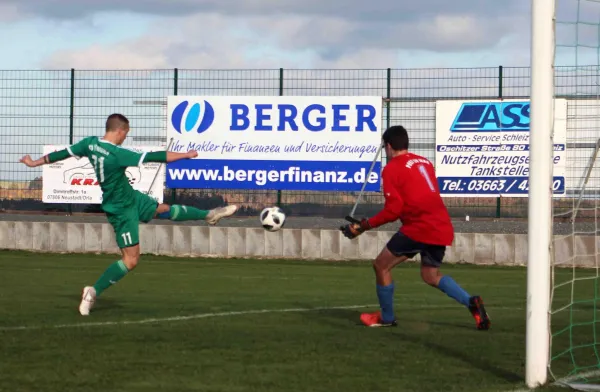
(88, 298)
(219, 213)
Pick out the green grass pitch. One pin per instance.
(183, 324)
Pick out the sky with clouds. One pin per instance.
(117, 34)
(264, 34)
(110, 34)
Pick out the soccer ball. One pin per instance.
(272, 218)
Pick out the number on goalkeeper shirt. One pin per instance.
(427, 178)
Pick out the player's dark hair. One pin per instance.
(116, 121)
(397, 137)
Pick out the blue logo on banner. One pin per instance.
(492, 117)
(196, 118)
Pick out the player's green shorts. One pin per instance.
(126, 223)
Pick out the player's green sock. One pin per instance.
(184, 213)
(112, 275)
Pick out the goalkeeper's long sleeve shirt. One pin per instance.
(412, 195)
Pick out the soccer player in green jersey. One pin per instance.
(124, 206)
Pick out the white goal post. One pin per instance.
(540, 193)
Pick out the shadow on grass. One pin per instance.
(425, 340)
(468, 358)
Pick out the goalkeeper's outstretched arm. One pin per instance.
(391, 211)
(46, 159)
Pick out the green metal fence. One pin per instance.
(61, 107)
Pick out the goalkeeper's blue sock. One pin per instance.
(448, 286)
(386, 302)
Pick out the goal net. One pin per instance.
(563, 317)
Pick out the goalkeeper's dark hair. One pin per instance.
(116, 121)
(397, 137)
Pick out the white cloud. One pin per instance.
(217, 41)
(333, 26)
(204, 41)
(138, 54)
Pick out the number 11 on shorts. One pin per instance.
(127, 238)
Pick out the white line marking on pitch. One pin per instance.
(178, 318)
(218, 314)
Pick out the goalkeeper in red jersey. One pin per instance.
(412, 195)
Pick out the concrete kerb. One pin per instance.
(296, 243)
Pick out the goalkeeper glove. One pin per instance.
(353, 230)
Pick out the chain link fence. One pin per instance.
(62, 107)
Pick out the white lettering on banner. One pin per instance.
(482, 148)
(262, 177)
(313, 117)
(276, 128)
(74, 180)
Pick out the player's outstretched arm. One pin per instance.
(176, 156)
(46, 159)
(169, 156)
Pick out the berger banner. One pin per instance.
(74, 180)
(482, 148)
(285, 143)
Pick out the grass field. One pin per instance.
(251, 325)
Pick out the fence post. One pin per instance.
(498, 199)
(71, 122)
(280, 94)
(175, 92)
(389, 97)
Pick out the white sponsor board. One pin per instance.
(273, 142)
(482, 148)
(74, 180)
